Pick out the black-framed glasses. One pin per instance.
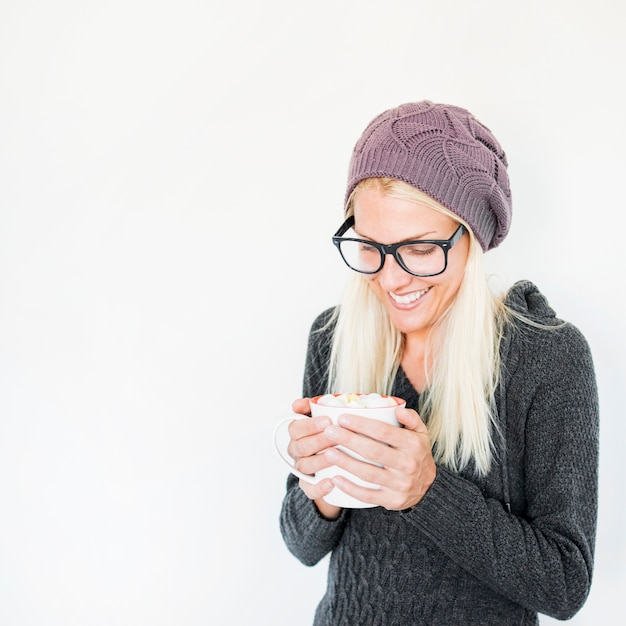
(422, 257)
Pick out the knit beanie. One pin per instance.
(446, 153)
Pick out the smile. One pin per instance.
(409, 297)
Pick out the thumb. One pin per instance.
(301, 405)
(410, 419)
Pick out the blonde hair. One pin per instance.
(463, 349)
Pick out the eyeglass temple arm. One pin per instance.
(347, 225)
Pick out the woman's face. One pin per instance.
(414, 304)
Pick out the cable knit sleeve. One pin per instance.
(540, 555)
(307, 534)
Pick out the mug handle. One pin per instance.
(281, 441)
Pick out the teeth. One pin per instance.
(408, 298)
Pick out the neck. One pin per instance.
(413, 361)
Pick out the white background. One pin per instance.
(170, 176)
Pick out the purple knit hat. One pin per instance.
(448, 154)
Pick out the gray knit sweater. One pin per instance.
(460, 557)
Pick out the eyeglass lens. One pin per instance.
(423, 258)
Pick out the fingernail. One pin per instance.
(332, 455)
(344, 420)
(332, 432)
(322, 423)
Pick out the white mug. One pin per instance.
(336, 496)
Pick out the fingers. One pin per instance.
(408, 418)
(301, 428)
(401, 464)
(406, 469)
(312, 464)
(393, 489)
(394, 448)
(365, 471)
(307, 437)
(307, 440)
(385, 497)
(315, 492)
(365, 447)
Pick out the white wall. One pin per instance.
(146, 148)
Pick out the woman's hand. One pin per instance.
(408, 465)
(308, 439)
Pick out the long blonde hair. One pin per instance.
(463, 349)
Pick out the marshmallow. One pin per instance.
(354, 400)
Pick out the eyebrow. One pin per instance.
(422, 237)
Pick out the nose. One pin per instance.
(392, 275)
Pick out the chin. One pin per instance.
(406, 324)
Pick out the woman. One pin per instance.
(487, 508)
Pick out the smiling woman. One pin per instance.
(413, 303)
(451, 311)
(461, 525)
